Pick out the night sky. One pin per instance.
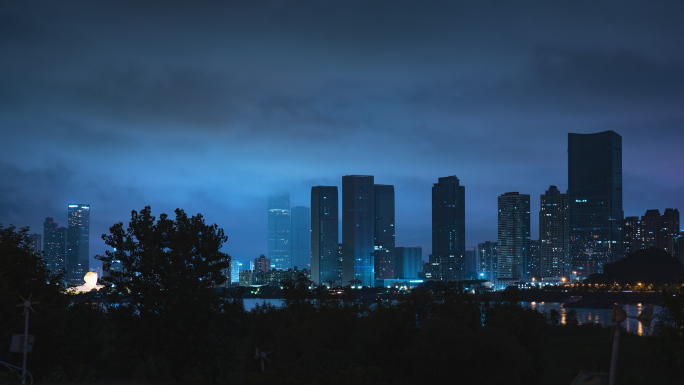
(211, 108)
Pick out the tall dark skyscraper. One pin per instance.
(384, 231)
(301, 237)
(358, 228)
(514, 235)
(54, 246)
(448, 230)
(78, 244)
(594, 201)
(279, 231)
(554, 234)
(325, 250)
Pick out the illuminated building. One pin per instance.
(325, 250)
(447, 261)
(384, 232)
(594, 200)
(78, 244)
(358, 227)
(279, 231)
(514, 236)
(36, 243)
(658, 231)
(54, 246)
(408, 262)
(554, 234)
(301, 237)
(262, 264)
(488, 256)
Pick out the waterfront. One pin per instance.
(585, 315)
(602, 316)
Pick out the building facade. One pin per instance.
(384, 232)
(554, 234)
(447, 260)
(514, 236)
(325, 254)
(77, 259)
(488, 258)
(301, 237)
(594, 201)
(279, 231)
(358, 230)
(408, 262)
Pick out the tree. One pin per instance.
(165, 263)
(169, 319)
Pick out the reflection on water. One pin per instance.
(601, 316)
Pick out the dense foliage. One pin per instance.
(194, 334)
(651, 267)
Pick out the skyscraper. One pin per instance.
(358, 227)
(488, 258)
(78, 244)
(514, 235)
(301, 237)
(325, 250)
(279, 231)
(448, 230)
(554, 234)
(408, 262)
(384, 231)
(594, 200)
(54, 246)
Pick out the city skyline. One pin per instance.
(213, 107)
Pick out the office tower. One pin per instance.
(325, 251)
(54, 246)
(78, 244)
(279, 230)
(408, 262)
(534, 264)
(554, 234)
(262, 264)
(594, 201)
(488, 258)
(36, 243)
(448, 230)
(471, 262)
(630, 235)
(235, 267)
(514, 235)
(301, 237)
(384, 231)
(658, 231)
(358, 225)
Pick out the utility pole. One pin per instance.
(27, 306)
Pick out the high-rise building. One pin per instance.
(630, 235)
(488, 258)
(54, 246)
(471, 262)
(36, 243)
(279, 231)
(78, 244)
(325, 253)
(534, 264)
(658, 231)
(358, 228)
(514, 236)
(448, 230)
(408, 262)
(554, 234)
(262, 264)
(384, 232)
(594, 201)
(301, 237)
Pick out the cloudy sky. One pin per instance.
(211, 108)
